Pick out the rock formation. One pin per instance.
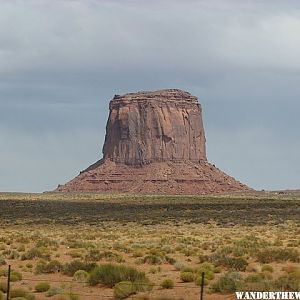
(151, 127)
(154, 143)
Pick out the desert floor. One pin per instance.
(54, 242)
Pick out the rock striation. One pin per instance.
(154, 143)
(157, 126)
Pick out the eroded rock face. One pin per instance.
(154, 144)
(157, 126)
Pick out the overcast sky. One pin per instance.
(62, 61)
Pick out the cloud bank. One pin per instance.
(62, 61)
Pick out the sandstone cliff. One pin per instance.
(154, 126)
(154, 143)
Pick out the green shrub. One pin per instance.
(3, 286)
(167, 284)
(124, 289)
(208, 269)
(81, 276)
(109, 275)
(290, 282)
(2, 261)
(278, 243)
(54, 291)
(157, 252)
(21, 293)
(93, 255)
(228, 283)
(21, 248)
(170, 260)
(188, 269)
(42, 287)
(15, 276)
(236, 263)
(14, 255)
(108, 255)
(203, 258)
(187, 276)
(80, 244)
(271, 254)
(248, 245)
(142, 285)
(121, 247)
(75, 265)
(267, 275)
(45, 242)
(43, 267)
(75, 253)
(41, 252)
(218, 269)
(139, 261)
(198, 280)
(6, 252)
(259, 285)
(255, 278)
(179, 266)
(73, 296)
(153, 270)
(267, 268)
(188, 252)
(153, 259)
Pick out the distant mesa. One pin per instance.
(154, 144)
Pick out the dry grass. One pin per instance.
(248, 242)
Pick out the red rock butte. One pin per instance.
(154, 144)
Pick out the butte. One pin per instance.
(154, 144)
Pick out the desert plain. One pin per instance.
(116, 246)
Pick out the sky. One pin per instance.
(62, 61)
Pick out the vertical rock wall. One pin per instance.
(153, 127)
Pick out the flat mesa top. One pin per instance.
(165, 95)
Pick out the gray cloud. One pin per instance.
(193, 36)
(61, 62)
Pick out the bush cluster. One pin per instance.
(167, 284)
(44, 267)
(277, 254)
(109, 275)
(42, 287)
(230, 262)
(228, 283)
(75, 265)
(21, 293)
